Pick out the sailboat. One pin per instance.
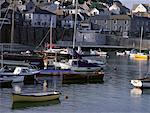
(142, 82)
(52, 50)
(140, 55)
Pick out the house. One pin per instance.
(114, 9)
(40, 18)
(100, 22)
(94, 11)
(68, 21)
(118, 8)
(138, 22)
(120, 24)
(26, 6)
(142, 10)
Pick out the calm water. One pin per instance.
(113, 96)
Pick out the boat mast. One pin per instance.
(141, 38)
(12, 26)
(2, 59)
(51, 33)
(75, 22)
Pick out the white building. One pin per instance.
(114, 9)
(94, 11)
(143, 8)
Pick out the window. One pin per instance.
(126, 28)
(115, 21)
(29, 15)
(126, 22)
(39, 23)
(115, 28)
(105, 21)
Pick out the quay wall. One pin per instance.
(28, 35)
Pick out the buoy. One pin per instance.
(66, 97)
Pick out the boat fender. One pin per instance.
(45, 86)
(17, 89)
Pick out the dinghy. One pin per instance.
(35, 97)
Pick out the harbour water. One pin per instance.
(115, 95)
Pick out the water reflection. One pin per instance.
(24, 105)
(136, 92)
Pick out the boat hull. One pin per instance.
(34, 98)
(141, 83)
(140, 56)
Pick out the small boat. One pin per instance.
(142, 56)
(98, 52)
(35, 97)
(141, 83)
(18, 74)
(120, 53)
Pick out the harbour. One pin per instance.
(74, 57)
(115, 93)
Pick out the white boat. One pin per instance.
(99, 63)
(18, 74)
(98, 52)
(120, 53)
(35, 97)
(141, 83)
(78, 65)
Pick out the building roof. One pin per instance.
(120, 17)
(37, 10)
(72, 16)
(147, 6)
(100, 17)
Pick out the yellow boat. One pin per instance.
(141, 56)
(35, 97)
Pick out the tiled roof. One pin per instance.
(121, 17)
(37, 10)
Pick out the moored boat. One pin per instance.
(19, 74)
(141, 83)
(142, 56)
(35, 97)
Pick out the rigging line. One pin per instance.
(5, 16)
(42, 40)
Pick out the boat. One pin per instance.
(98, 52)
(78, 65)
(120, 53)
(141, 83)
(141, 55)
(19, 73)
(35, 97)
(23, 105)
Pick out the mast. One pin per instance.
(12, 26)
(51, 33)
(2, 62)
(141, 38)
(75, 22)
